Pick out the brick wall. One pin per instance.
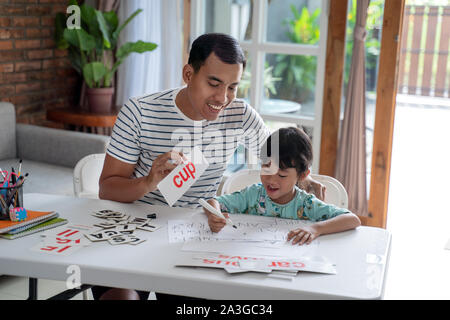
(34, 75)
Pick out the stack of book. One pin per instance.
(36, 221)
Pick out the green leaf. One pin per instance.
(103, 28)
(295, 12)
(89, 19)
(139, 47)
(60, 25)
(113, 22)
(111, 19)
(116, 33)
(280, 68)
(80, 39)
(93, 72)
(75, 59)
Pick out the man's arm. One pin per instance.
(312, 186)
(116, 181)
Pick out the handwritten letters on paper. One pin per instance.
(249, 228)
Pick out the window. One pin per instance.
(285, 44)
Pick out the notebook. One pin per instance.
(32, 217)
(28, 226)
(40, 226)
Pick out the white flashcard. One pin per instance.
(62, 249)
(94, 237)
(110, 233)
(119, 240)
(234, 270)
(251, 263)
(135, 240)
(117, 221)
(125, 227)
(149, 227)
(138, 220)
(254, 265)
(183, 176)
(50, 241)
(105, 213)
(115, 215)
(106, 224)
(285, 275)
(128, 233)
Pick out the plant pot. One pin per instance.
(100, 99)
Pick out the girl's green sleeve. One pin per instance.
(238, 202)
(317, 210)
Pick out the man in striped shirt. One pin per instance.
(153, 129)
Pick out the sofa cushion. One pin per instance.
(58, 147)
(43, 178)
(7, 131)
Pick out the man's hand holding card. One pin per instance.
(183, 176)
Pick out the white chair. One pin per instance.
(87, 174)
(335, 191)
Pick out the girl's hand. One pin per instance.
(215, 223)
(303, 235)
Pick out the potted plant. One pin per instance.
(91, 47)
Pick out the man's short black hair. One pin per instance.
(294, 149)
(225, 47)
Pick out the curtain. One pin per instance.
(160, 69)
(107, 5)
(351, 157)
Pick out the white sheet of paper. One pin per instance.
(261, 248)
(249, 228)
(183, 176)
(264, 236)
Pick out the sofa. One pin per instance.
(48, 155)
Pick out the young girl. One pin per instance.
(278, 195)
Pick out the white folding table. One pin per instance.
(361, 257)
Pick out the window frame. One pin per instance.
(257, 49)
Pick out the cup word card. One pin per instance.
(183, 176)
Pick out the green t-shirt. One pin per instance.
(254, 200)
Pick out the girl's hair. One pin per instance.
(225, 47)
(294, 149)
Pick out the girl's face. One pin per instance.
(279, 183)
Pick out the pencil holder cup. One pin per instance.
(11, 203)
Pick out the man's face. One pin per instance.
(212, 88)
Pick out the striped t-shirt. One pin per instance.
(149, 126)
